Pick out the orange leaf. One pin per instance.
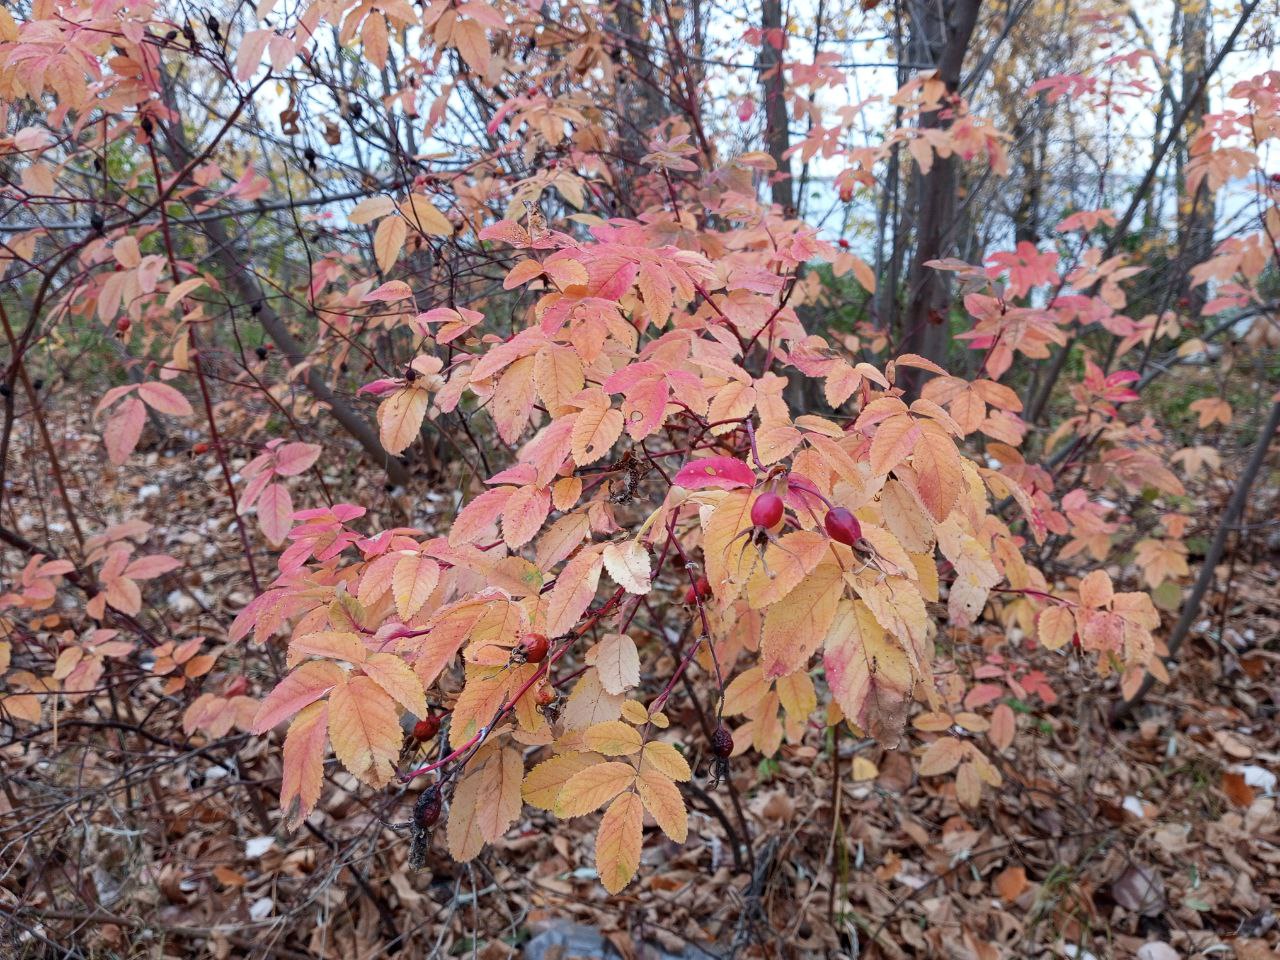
(303, 766)
(364, 729)
(619, 841)
(1011, 883)
(304, 686)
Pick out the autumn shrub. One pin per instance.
(639, 473)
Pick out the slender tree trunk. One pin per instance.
(1196, 219)
(775, 103)
(940, 34)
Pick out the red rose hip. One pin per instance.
(535, 648)
(767, 510)
(426, 728)
(698, 591)
(842, 526)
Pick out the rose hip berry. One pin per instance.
(698, 591)
(426, 728)
(544, 696)
(842, 526)
(535, 648)
(766, 512)
(427, 810)
(722, 742)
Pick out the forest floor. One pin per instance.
(1158, 838)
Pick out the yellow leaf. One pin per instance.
(364, 729)
(334, 644)
(786, 564)
(795, 626)
(662, 799)
(400, 418)
(634, 712)
(618, 842)
(542, 784)
(423, 216)
(895, 438)
(486, 801)
(388, 240)
(1095, 589)
(1055, 627)
(590, 703)
(370, 209)
(728, 561)
(797, 695)
(613, 738)
(666, 759)
(746, 690)
(593, 787)
(413, 580)
(868, 673)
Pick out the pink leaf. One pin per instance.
(124, 429)
(389, 292)
(726, 473)
(165, 399)
(293, 458)
(275, 510)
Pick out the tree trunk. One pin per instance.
(775, 103)
(940, 34)
(1196, 218)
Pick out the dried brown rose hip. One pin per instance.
(722, 742)
(427, 810)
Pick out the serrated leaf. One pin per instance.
(593, 787)
(302, 770)
(618, 842)
(304, 686)
(868, 673)
(412, 582)
(628, 564)
(398, 679)
(617, 663)
(542, 784)
(613, 738)
(486, 801)
(666, 759)
(662, 799)
(574, 589)
(794, 627)
(364, 729)
(942, 756)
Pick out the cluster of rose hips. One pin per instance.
(840, 523)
